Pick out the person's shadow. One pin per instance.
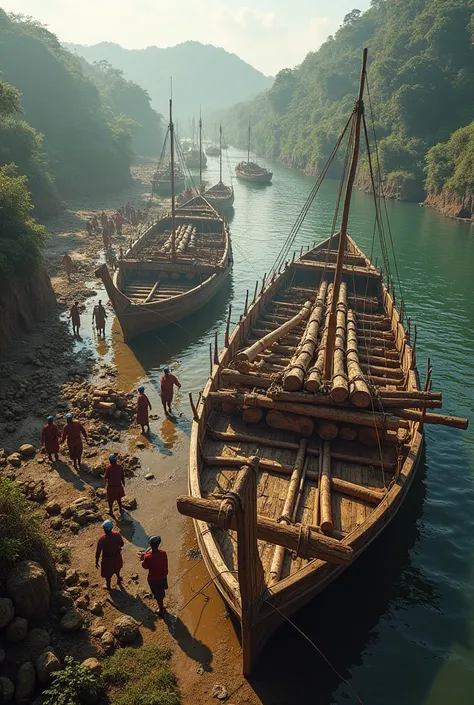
(132, 605)
(192, 647)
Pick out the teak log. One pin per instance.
(288, 507)
(367, 494)
(359, 392)
(290, 422)
(318, 546)
(339, 384)
(235, 461)
(315, 374)
(437, 419)
(231, 437)
(250, 353)
(325, 490)
(251, 379)
(252, 415)
(230, 409)
(327, 430)
(344, 414)
(347, 433)
(293, 378)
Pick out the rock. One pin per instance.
(81, 503)
(66, 513)
(56, 523)
(53, 508)
(71, 577)
(47, 664)
(98, 631)
(93, 664)
(17, 630)
(129, 502)
(14, 459)
(101, 493)
(64, 599)
(149, 476)
(96, 608)
(6, 689)
(27, 449)
(219, 692)
(25, 682)
(71, 622)
(140, 445)
(134, 577)
(40, 461)
(108, 642)
(125, 629)
(7, 611)
(82, 603)
(2, 659)
(28, 586)
(84, 516)
(37, 641)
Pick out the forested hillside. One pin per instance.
(87, 147)
(203, 75)
(421, 83)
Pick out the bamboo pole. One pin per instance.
(250, 353)
(315, 374)
(317, 495)
(293, 378)
(287, 513)
(359, 392)
(339, 385)
(325, 490)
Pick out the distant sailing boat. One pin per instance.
(213, 150)
(220, 196)
(195, 158)
(162, 180)
(251, 171)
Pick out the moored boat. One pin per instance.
(251, 171)
(162, 180)
(213, 151)
(220, 196)
(306, 438)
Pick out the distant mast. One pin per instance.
(173, 206)
(248, 147)
(220, 154)
(200, 150)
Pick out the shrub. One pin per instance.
(74, 685)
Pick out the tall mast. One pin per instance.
(248, 149)
(220, 154)
(173, 208)
(200, 150)
(357, 120)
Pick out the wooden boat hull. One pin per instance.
(163, 188)
(294, 590)
(221, 204)
(213, 151)
(263, 178)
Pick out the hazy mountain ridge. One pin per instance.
(202, 75)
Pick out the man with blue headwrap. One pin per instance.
(143, 405)
(168, 382)
(50, 438)
(73, 430)
(109, 546)
(156, 562)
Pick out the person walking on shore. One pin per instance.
(109, 547)
(67, 262)
(73, 432)
(143, 406)
(75, 317)
(168, 382)
(98, 316)
(114, 483)
(50, 438)
(156, 562)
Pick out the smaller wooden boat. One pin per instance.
(161, 183)
(213, 151)
(251, 171)
(196, 159)
(220, 196)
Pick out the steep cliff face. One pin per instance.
(29, 300)
(452, 203)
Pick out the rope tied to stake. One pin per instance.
(303, 543)
(231, 502)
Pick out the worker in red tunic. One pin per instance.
(156, 562)
(119, 221)
(67, 262)
(73, 430)
(75, 318)
(109, 546)
(168, 381)
(50, 438)
(143, 406)
(114, 483)
(99, 315)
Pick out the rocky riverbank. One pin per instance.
(452, 204)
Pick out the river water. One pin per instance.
(399, 624)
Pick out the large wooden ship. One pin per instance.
(174, 268)
(220, 196)
(306, 438)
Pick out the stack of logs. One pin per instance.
(184, 239)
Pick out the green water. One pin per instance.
(400, 623)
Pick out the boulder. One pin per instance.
(2, 658)
(149, 476)
(7, 689)
(125, 629)
(25, 682)
(92, 664)
(53, 508)
(66, 513)
(108, 642)
(98, 631)
(64, 599)
(7, 611)
(37, 641)
(84, 516)
(71, 577)
(29, 588)
(83, 602)
(129, 502)
(47, 664)
(16, 630)
(96, 607)
(14, 459)
(71, 622)
(56, 523)
(27, 449)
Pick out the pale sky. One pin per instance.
(269, 34)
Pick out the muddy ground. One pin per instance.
(34, 382)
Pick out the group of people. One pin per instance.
(72, 432)
(108, 225)
(154, 560)
(168, 382)
(99, 316)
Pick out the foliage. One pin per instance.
(88, 150)
(141, 677)
(451, 164)
(75, 684)
(420, 79)
(21, 530)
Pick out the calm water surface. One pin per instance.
(400, 623)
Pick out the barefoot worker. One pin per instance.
(50, 438)
(98, 316)
(75, 318)
(156, 562)
(114, 482)
(168, 381)
(109, 546)
(73, 430)
(143, 406)
(67, 262)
